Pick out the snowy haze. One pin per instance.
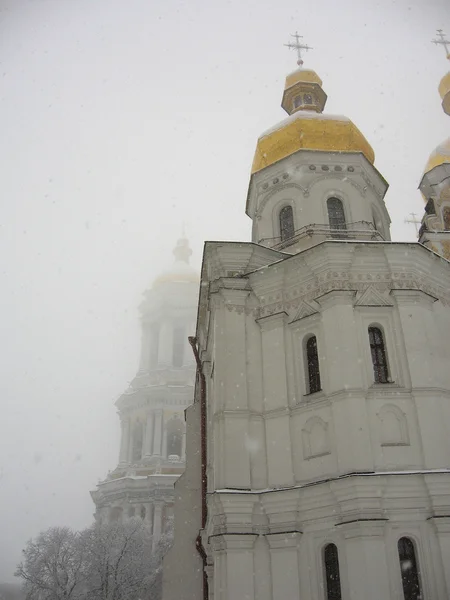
(119, 121)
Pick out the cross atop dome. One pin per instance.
(443, 42)
(182, 250)
(298, 46)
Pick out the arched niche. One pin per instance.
(393, 426)
(315, 438)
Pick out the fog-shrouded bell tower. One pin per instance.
(151, 410)
(318, 444)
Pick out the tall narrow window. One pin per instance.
(154, 344)
(174, 437)
(312, 359)
(332, 575)
(409, 569)
(336, 217)
(178, 347)
(287, 229)
(378, 352)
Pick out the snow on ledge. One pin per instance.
(298, 487)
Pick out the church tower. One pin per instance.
(435, 183)
(151, 411)
(318, 443)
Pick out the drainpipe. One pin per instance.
(202, 381)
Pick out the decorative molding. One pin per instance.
(372, 297)
(304, 310)
(285, 186)
(340, 176)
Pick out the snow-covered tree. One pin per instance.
(104, 562)
(53, 567)
(119, 560)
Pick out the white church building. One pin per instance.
(318, 445)
(151, 411)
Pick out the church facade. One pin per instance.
(318, 444)
(151, 411)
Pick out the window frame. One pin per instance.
(325, 573)
(344, 229)
(388, 378)
(385, 318)
(445, 208)
(281, 208)
(308, 377)
(417, 560)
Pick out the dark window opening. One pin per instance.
(378, 352)
(308, 99)
(174, 441)
(446, 217)
(297, 101)
(142, 512)
(287, 229)
(312, 359)
(178, 347)
(430, 208)
(409, 569)
(332, 575)
(336, 217)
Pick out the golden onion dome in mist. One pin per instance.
(439, 156)
(307, 128)
(181, 271)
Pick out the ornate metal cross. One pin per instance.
(443, 42)
(298, 46)
(414, 221)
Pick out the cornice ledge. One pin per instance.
(272, 320)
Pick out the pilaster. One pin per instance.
(284, 561)
(124, 441)
(148, 435)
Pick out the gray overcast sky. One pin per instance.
(120, 120)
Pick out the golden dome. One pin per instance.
(310, 131)
(181, 271)
(444, 92)
(302, 76)
(307, 128)
(439, 156)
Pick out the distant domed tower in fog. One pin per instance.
(151, 410)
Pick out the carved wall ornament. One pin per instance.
(372, 297)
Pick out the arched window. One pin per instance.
(378, 352)
(287, 229)
(308, 99)
(336, 217)
(297, 101)
(312, 361)
(138, 435)
(174, 437)
(332, 575)
(409, 569)
(446, 217)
